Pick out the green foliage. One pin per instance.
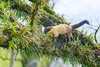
(34, 1)
(31, 42)
(3, 10)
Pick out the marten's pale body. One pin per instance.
(63, 29)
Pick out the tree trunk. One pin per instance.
(13, 55)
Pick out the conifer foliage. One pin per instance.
(20, 29)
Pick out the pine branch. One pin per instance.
(21, 7)
(35, 12)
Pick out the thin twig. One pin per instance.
(96, 34)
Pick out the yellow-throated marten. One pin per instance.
(63, 29)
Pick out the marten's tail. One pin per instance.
(80, 24)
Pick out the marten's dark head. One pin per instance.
(47, 29)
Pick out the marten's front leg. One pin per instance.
(68, 37)
(53, 39)
(71, 37)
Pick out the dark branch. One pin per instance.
(34, 12)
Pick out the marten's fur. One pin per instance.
(63, 29)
